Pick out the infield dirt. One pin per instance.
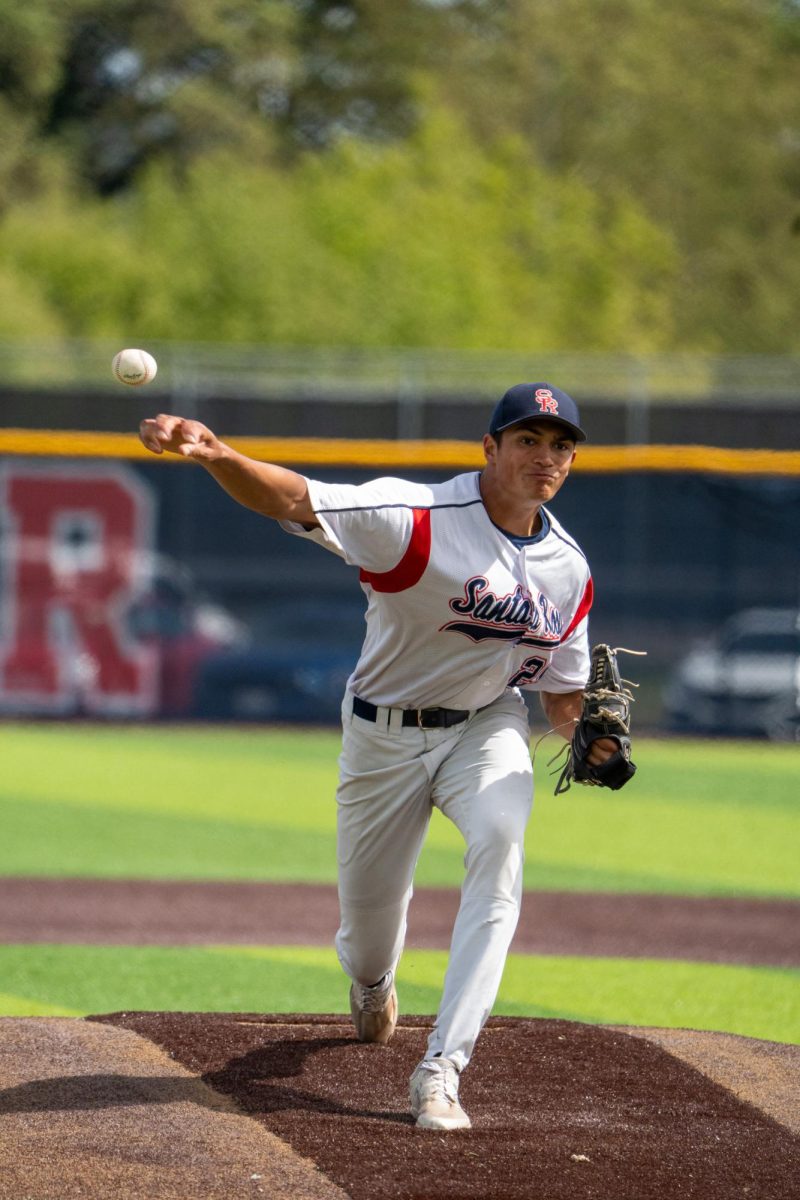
(715, 929)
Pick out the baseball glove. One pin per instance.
(605, 714)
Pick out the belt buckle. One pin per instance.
(420, 722)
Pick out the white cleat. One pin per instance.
(434, 1096)
(374, 1010)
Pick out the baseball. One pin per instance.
(134, 367)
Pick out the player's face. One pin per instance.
(532, 460)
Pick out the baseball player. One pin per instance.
(474, 591)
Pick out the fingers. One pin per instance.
(190, 449)
(601, 750)
(156, 432)
(176, 434)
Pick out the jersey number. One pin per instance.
(529, 671)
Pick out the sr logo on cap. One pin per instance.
(546, 401)
(539, 401)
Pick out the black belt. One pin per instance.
(421, 718)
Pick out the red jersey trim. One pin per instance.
(583, 608)
(412, 565)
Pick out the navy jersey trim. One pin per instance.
(521, 542)
(568, 542)
(377, 507)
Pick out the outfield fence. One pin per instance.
(132, 586)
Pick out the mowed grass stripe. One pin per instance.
(70, 980)
(14, 1006)
(199, 803)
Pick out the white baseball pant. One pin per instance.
(479, 775)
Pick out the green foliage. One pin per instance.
(32, 37)
(583, 175)
(429, 241)
(23, 308)
(125, 83)
(165, 78)
(694, 110)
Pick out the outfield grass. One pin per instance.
(217, 803)
(221, 803)
(76, 980)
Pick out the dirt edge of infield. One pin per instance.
(85, 1104)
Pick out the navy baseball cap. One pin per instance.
(536, 401)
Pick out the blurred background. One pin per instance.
(343, 229)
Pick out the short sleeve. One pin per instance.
(369, 525)
(569, 667)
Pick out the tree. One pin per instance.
(670, 134)
(123, 82)
(691, 109)
(143, 79)
(432, 241)
(31, 45)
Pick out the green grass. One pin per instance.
(160, 802)
(75, 980)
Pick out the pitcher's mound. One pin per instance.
(559, 1109)
(98, 1113)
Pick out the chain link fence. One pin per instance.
(405, 394)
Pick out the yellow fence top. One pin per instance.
(408, 455)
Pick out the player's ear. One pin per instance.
(489, 447)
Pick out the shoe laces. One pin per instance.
(442, 1082)
(373, 999)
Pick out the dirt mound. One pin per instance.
(560, 1110)
(99, 1113)
(766, 1074)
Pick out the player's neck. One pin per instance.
(518, 516)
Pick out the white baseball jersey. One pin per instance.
(458, 610)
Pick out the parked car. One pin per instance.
(185, 627)
(271, 684)
(744, 682)
(295, 670)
